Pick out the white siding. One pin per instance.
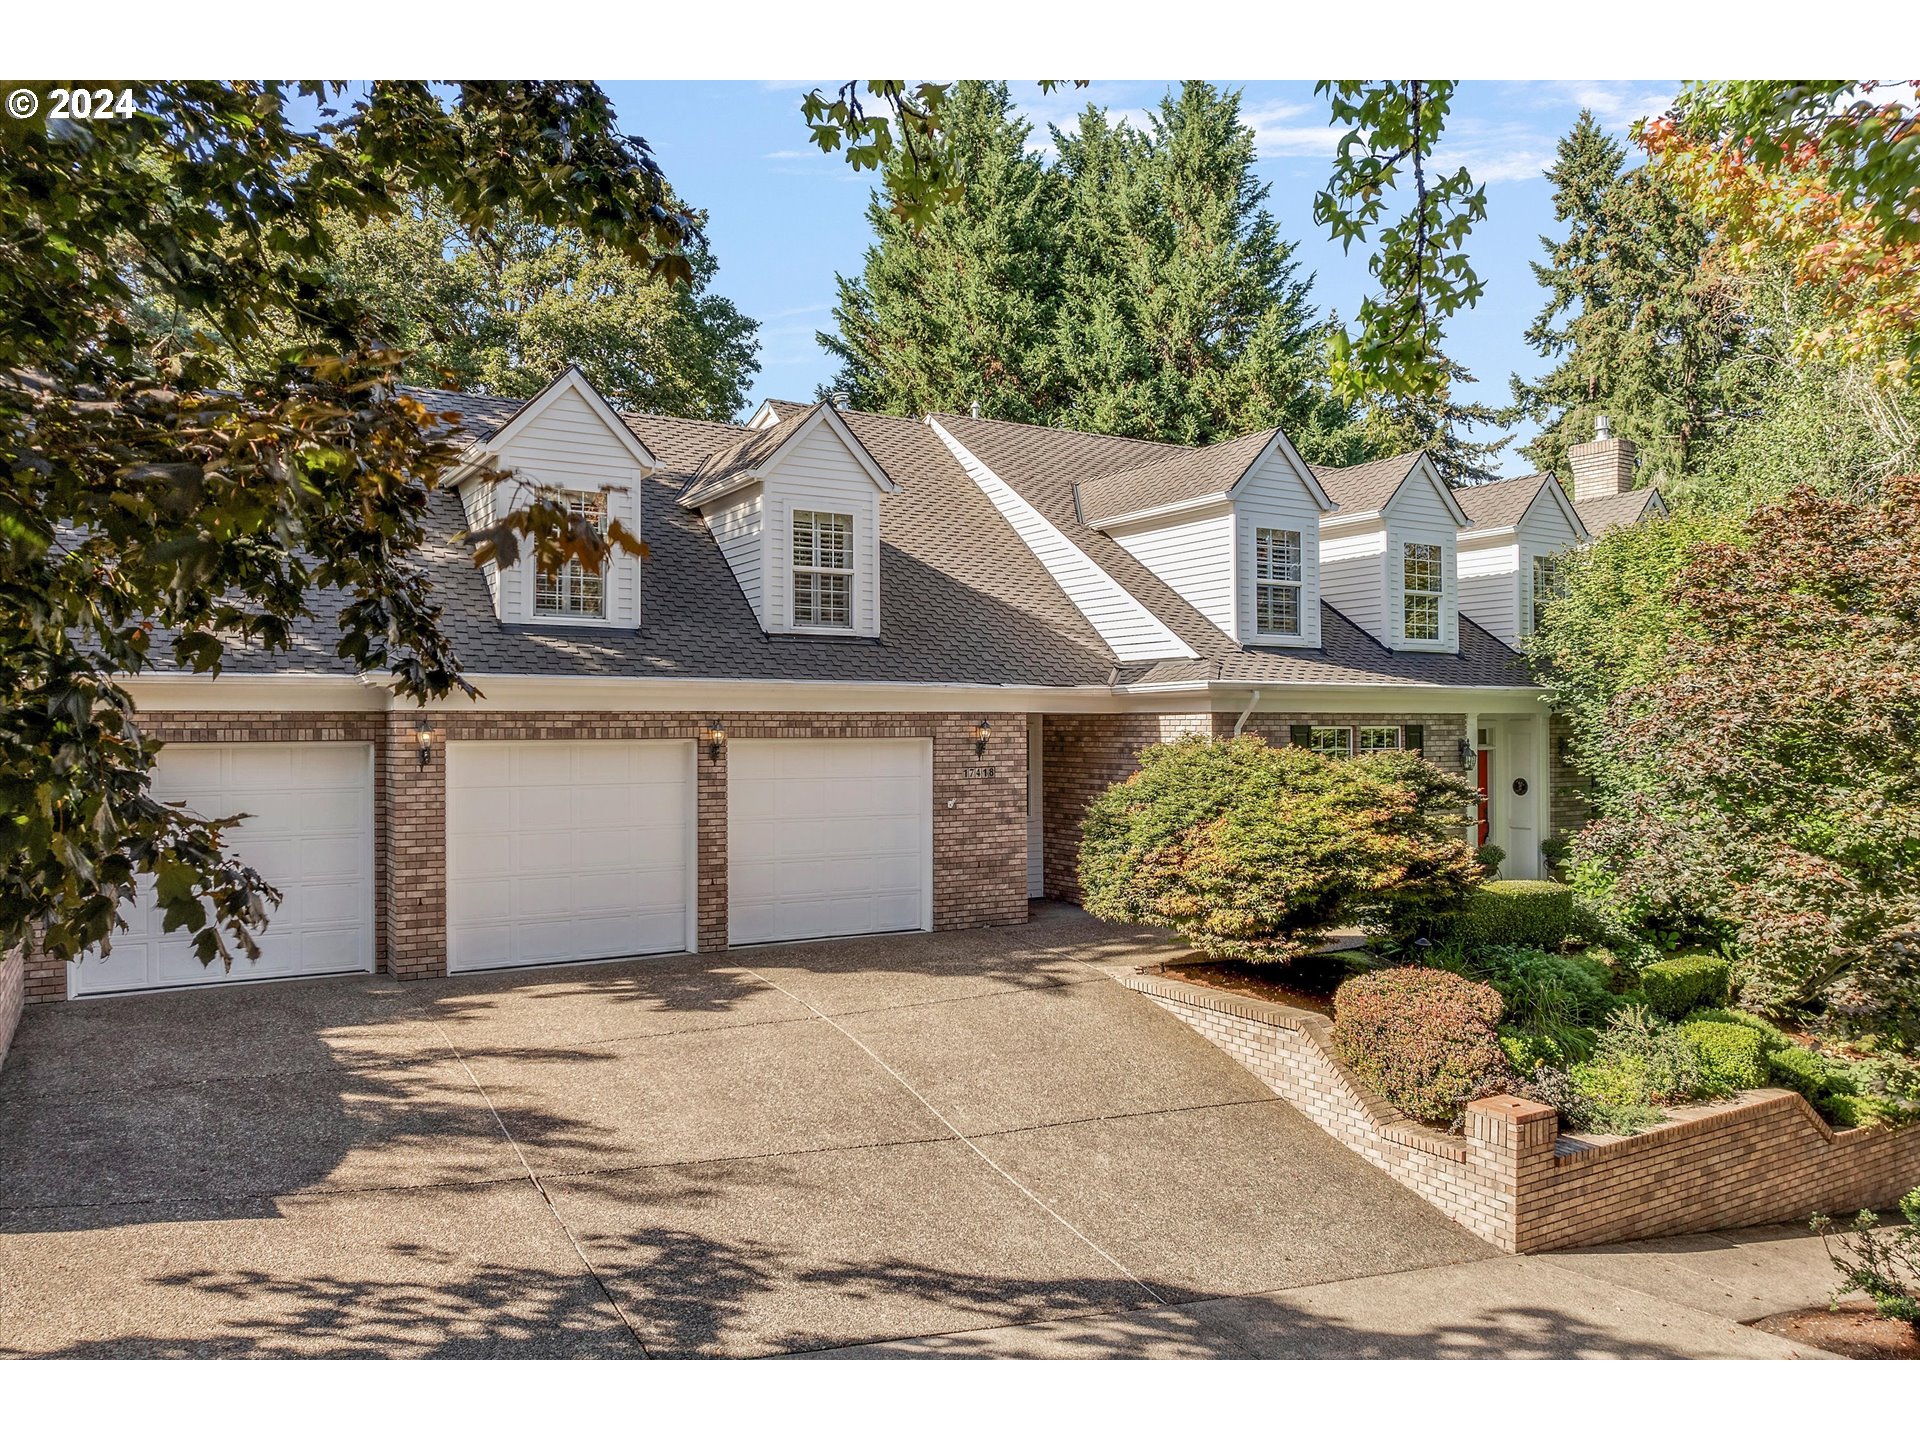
(736, 527)
(1273, 497)
(1490, 587)
(1353, 577)
(1194, 555)
(1128, 627)
(477, 500)
(1417, 515)
(820, 473)
(568, 444)
(1544, 530)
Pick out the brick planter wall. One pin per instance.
(13, 996)
(979, 822)
(1514, 1180)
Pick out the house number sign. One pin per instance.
(981, 772)
(1520, 787)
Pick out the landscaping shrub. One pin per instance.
(1528, 1050)
(1556, 998)
(1771, 1036)
(1254, 852)
(1796, 1069)
(1638, 1060)
(1882, 1264)
(1733, 1056)
(1583, 1111)
(1685, 982)
(1425, 1039)
(1536, 913)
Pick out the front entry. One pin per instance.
(1512, 792)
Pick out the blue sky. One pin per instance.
(785, 219)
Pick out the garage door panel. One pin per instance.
(561, 851)
(309, 831)
(828, 837)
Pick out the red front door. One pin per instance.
(1484, 827)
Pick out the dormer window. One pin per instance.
(1422, 572)
(822, 570)
(1546, 585)
(572, 590)
(1276, 578)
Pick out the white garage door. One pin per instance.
(828, 837)
(560, 851)
(309, 831)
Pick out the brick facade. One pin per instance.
(979, 822)
(1514, 1180)
(1084, 754)
(1568, 804)
(13, 996)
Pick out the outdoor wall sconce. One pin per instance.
(1467, 753)
(713, 735)
(982, 731)
(424, 734)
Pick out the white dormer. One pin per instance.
(569, 438)
(1389, 554)
(1511, 549)
(795, 508)
(1233, 529)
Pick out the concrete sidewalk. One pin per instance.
(1658, 1299)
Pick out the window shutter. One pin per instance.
(1415, 738)
(1301, 735)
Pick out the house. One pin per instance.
(865, 679)
(1604, 472)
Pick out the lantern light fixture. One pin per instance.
(714, 735)
(423, 733)
(1467, 754)
(982, 732)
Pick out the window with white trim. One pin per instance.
(1333, 740)
(1421, 576)
(1380, 737)
(573, 590)
(1546, 587)
(1276, 580)
(822, 570)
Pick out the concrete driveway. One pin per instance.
(789, 1149)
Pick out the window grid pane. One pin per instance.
(822, 570)
(1333, 740)
(1379, 737)
(1546, 585)
(1421, 582)
(573, 590)
(1276, 572)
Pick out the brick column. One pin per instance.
(710, 848)
(416, 849)
(1509, 1155)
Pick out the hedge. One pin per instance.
(1685, 982)
(1733, 1055)
(1537, 914)
(1426, 1039)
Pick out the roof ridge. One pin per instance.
(1264, 436)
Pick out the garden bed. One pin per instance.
(1310, 983)
(1854, 1330)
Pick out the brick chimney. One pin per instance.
(1604, 465)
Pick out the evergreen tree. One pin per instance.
(1183, 315)
(1641, 316)
(961, 310)
(1435, 425)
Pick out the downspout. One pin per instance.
(1238, 725)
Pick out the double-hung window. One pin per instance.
(1334, 740)
(1421, 577)
(822, 570)
(1546, 586)
(1379, 737)
(572, 590)
(1276, 581)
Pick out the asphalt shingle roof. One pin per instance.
(1612, 510)
(753, 449)
(1040, 465)
(1170, 479)
(1494, 504)
(1362, 489)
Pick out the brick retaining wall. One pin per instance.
(13, 996)
(1514, 1180)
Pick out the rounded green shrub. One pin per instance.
(1685, 982)
(1427, 1040)
(1732, 1055)
(1254, 852)
(1772, 1038)
(1534, 913)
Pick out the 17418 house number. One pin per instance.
(981, 772)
